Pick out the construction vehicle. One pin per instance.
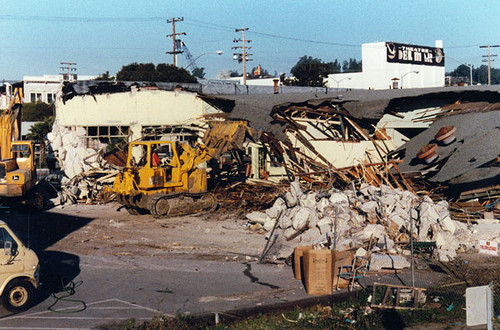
(17, 166)
(19, 271)
(164, 177)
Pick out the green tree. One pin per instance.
(311, 72)
(36, 111)
(170, 73)
(351, 66)
(199, 73)
(38, 131)
(148, 72)
(479, 75)
(105, 76)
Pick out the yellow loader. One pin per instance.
(165, 177)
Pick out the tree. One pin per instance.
(479, 75)
(36, 111)
(311, 72)
(38, 131)
(199, 73)
(161, 73)
(351, 66)
(105, 76)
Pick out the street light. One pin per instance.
(415, 72)
(338, 81)
(467, 65)
(218, 52)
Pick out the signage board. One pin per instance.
(413, 54)
(488, 247)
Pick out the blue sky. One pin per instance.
(104, 35)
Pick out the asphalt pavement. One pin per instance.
(114, 289)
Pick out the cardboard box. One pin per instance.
(298, 262)
(341, 258)
(318, 271)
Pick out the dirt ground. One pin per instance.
(108, 229)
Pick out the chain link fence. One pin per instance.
(464, 272)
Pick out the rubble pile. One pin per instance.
(377, 219)
(85, 170)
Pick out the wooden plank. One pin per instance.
(358, 129)
(394, 178)
(407, 185)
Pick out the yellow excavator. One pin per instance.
(17, 167)
(165, 177)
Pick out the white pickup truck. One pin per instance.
(19, 271)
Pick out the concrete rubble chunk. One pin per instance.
(379, 261)
(369, 207)
(257, 217)
(375, 231)
(339, 198)
(278, 207)
(308, 200)
(269, 224)
(352, 218)
(301, 218)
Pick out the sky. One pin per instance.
(104, 35)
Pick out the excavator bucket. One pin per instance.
(222, 136)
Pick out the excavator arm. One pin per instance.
(10, 121)
(221, 136)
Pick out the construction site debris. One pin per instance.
(378, 219)
(85, 171)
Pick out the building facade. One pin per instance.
(391, 65)
(45, 88)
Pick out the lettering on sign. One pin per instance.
(488, 247)
(411, 54)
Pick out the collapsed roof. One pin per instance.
(472, 159)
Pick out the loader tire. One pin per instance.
(18, 295)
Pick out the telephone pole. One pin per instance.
(243, 56)
(68, 67)
(489, 60)
(174, 51)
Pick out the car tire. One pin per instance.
(18, 295)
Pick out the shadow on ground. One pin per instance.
(40, 230)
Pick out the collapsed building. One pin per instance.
(321, 137)
(309, 134)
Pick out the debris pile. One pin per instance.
(85, 171)
(378, 219)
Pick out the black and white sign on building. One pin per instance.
(413, 54)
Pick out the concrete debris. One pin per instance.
(379, 261)
(84, 169)
(377, 219)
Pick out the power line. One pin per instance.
(79, 19)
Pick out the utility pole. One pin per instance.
(489, 60)
(68, 67)
(242, 57)
(174, 51)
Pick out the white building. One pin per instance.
(45, 88)
(387, 65)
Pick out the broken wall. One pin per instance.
(147, 107)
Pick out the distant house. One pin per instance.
(45, 88)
